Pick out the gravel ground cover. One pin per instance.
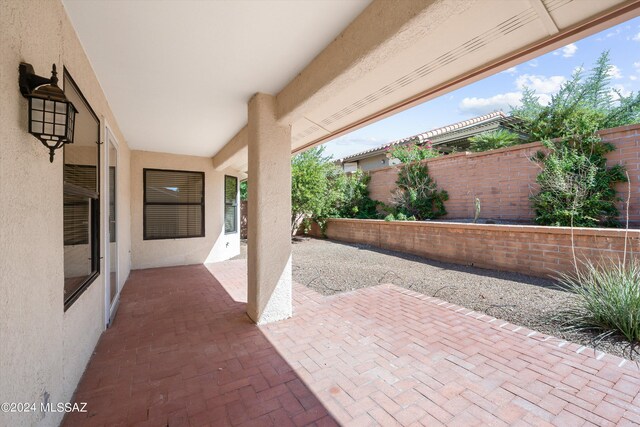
(330, 267)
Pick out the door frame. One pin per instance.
(109, 308)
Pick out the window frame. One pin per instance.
(145, 204)
(236, 205)
(94, 207)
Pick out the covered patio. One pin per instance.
(183, 352)
(115, 289)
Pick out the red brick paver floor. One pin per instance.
(182, 352)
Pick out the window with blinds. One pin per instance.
(173, 204)
(230, 204)
(81, 199)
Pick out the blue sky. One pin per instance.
(545, 74)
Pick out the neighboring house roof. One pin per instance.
(442, 134)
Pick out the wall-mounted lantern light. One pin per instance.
(51, 115)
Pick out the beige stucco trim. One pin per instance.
(232, 154)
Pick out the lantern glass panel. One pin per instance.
(49, 105)
(36, 127)
(37, 104)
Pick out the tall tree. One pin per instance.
(315, 186)
(576, 186)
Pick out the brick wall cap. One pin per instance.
(578, 231)
(529, 145)
(625, 128)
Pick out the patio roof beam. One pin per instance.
(233, 153)
(374, 37)
(329, 96)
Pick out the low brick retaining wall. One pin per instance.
(533, 250)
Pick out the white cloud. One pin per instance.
(347, 145)
(618, 90)
(544, 87)
(569, 50)
(512, 70)
(636, 66)
(501, 101)
(614, 72)
(614, 33)
(533, 63)
(636, 38)
(541, 84)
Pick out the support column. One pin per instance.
(269, 214)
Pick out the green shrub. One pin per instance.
(416, 194)
(412, 152)
(576, 189)
(320, 190)
(399, 217)
(608, 300)
(315, 187)
(244, 195)
(493, 140)
(355, 201)
(576, 186)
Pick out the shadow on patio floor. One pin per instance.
(182, 352)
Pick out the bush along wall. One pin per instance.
(416, 196)
(576, 186)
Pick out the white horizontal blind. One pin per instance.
(76, 209)
(174, 204)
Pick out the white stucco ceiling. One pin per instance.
(178, 74)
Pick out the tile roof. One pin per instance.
(432, 133)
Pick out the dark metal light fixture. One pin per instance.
(51, 114)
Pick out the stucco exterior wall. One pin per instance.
(374, 162)
(43, 350)
(215, 246)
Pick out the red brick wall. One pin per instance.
(504, 179)
(627, 141)
(533, 250)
